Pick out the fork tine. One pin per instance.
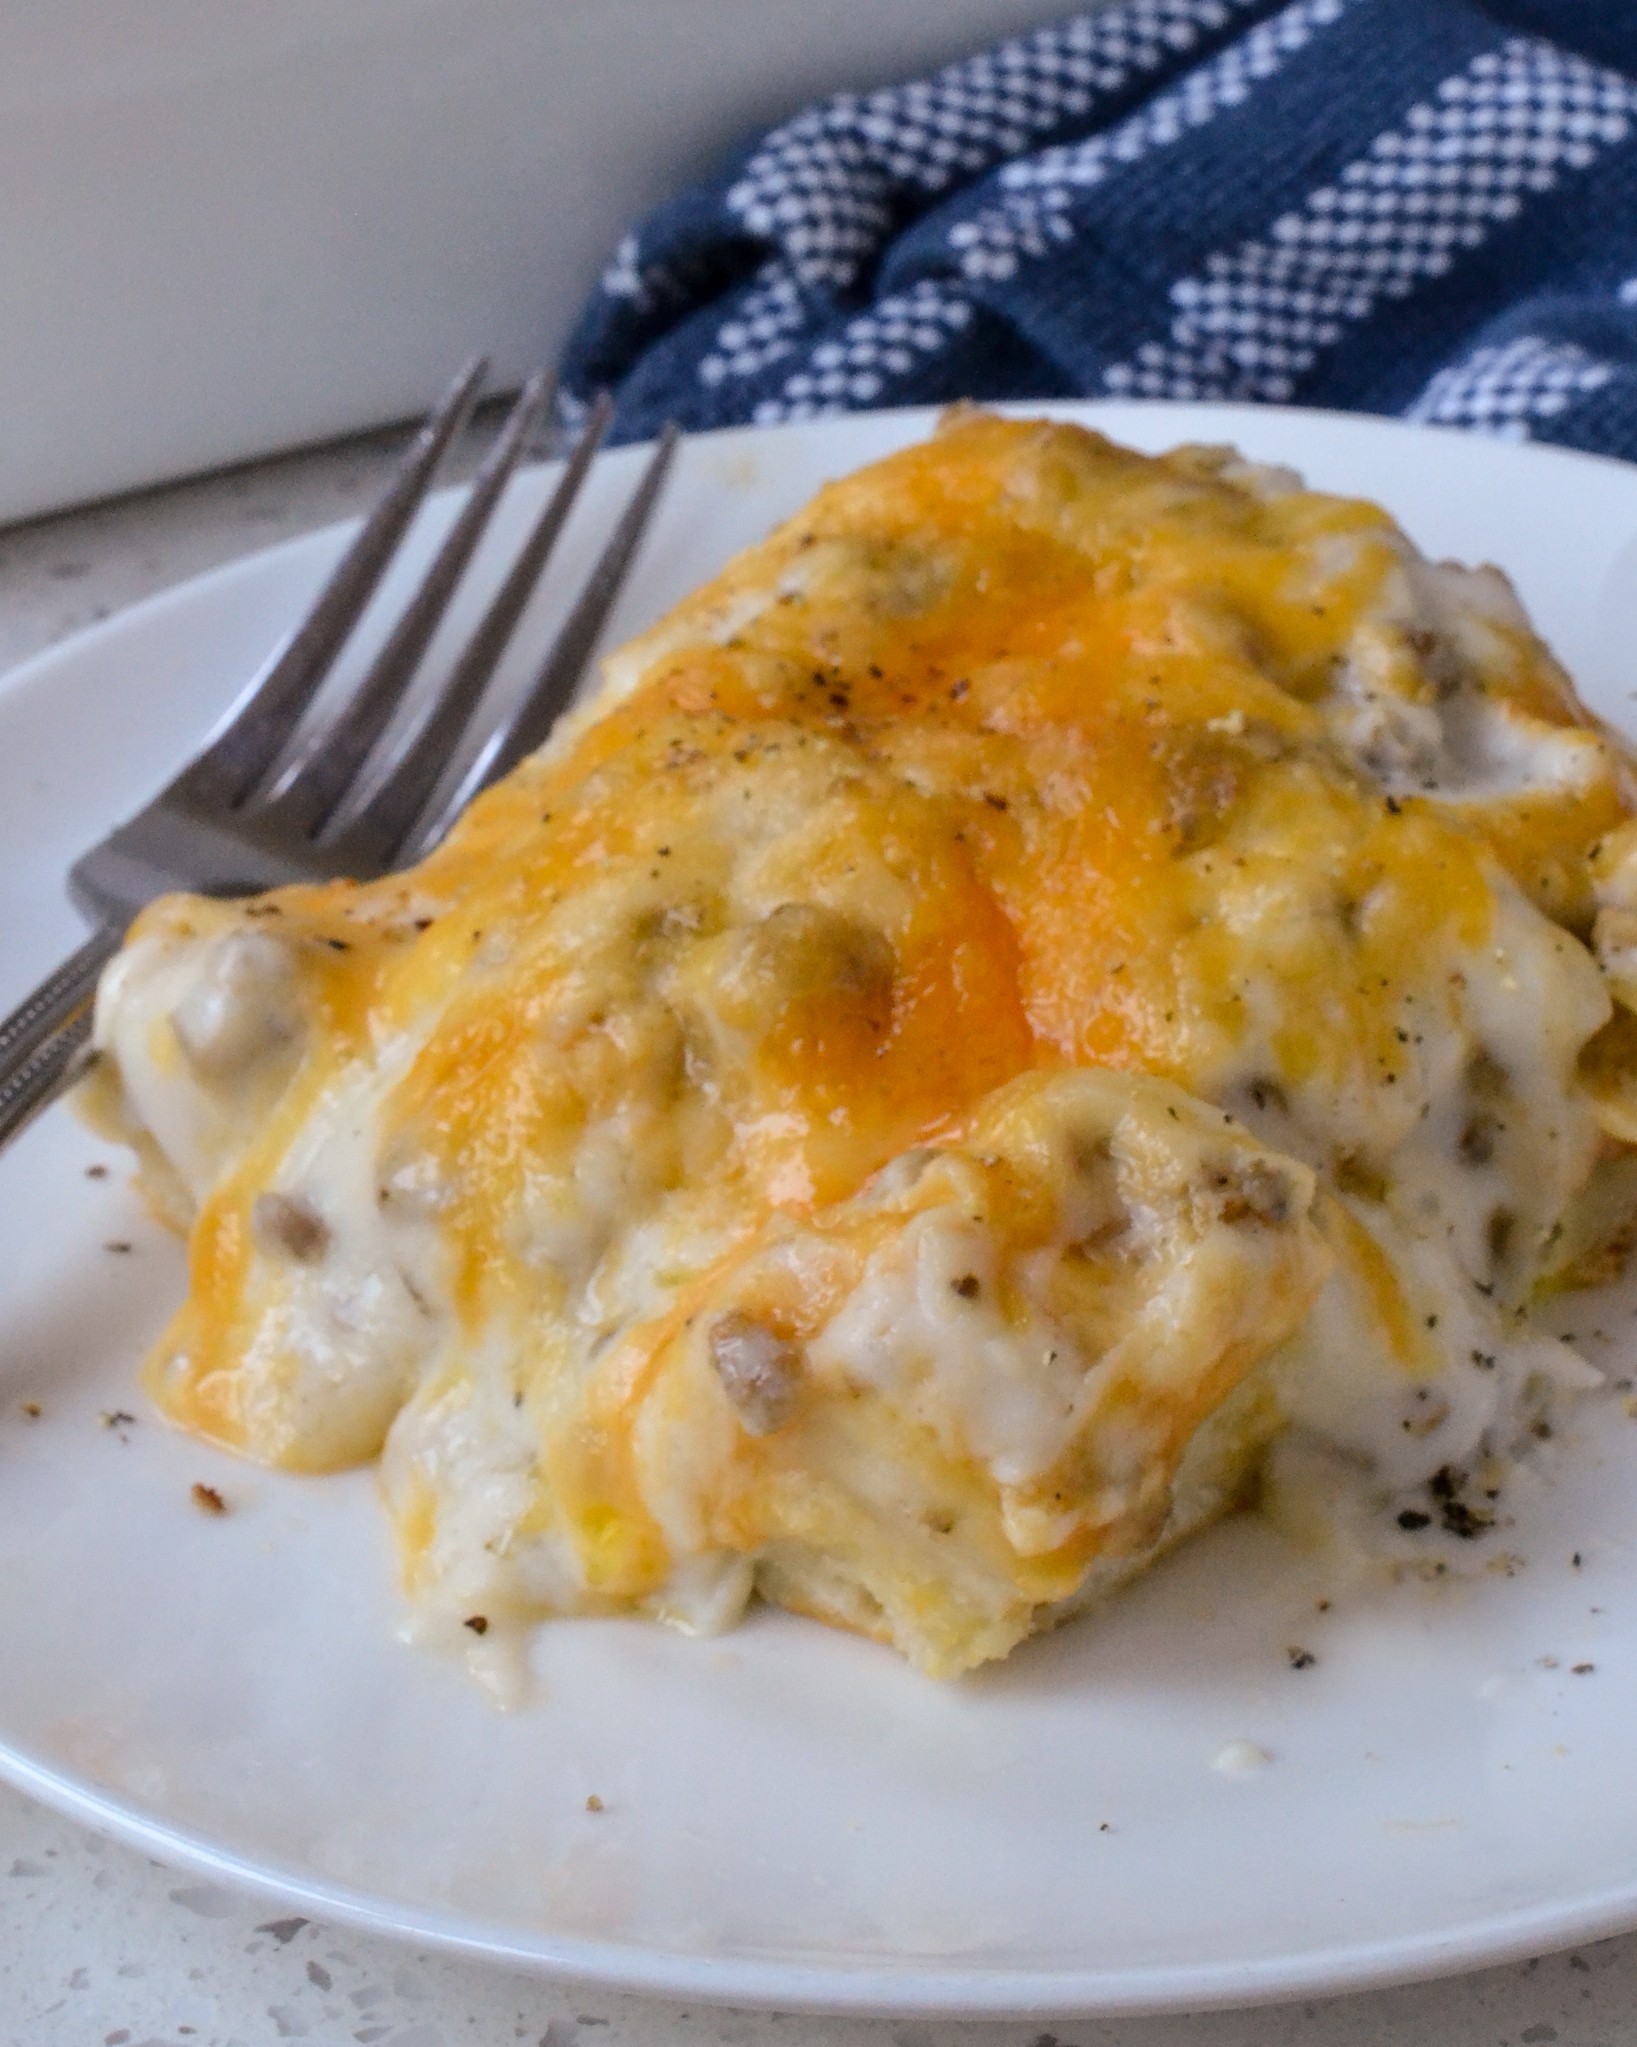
(532, 717)
(247, 746)
(372, 836)
(310, 786)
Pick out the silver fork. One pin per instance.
(274, 797)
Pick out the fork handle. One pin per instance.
(58, 997)
(35, 1082)
(39, 1041)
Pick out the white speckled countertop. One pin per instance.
(101, 1948)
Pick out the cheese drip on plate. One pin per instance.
(1059, 968)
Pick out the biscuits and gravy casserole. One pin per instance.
(1055, 969)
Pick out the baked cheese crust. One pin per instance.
(1057, 966)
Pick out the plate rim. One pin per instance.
(326, 540)
(957, 1989)
(851, 1990)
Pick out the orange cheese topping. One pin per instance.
(1017, 751)
(1038, 679)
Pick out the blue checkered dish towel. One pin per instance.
(1420, 207)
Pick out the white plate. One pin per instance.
(792, 1817)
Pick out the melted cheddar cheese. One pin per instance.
(1055, 967)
